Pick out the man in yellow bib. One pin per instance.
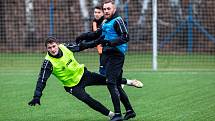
(60, 62)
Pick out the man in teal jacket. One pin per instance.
(115, 45)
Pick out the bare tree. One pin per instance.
(176, 8)
(144, 4)
(85, 14)
(30, 37)
(95, 2)
(196, 4)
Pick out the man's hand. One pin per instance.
(105, 42)
(81, 37)
(73, 46)
(99, 40)
(85, 44)
(78, 39)
(34, 101)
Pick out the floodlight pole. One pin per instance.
(154, 35)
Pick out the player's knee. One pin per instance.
(111, 82)
(102, 70)
(84, 98)
(68, 89)
(113, 90)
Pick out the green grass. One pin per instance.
(166, 96)
(133, 61)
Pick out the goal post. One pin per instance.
(154, 36)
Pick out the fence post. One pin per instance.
(51, 17)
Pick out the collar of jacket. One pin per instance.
(114, 16)
(99, 20)
(60, 54)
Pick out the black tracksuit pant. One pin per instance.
(89, 79)
(113, 65)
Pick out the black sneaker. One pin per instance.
(116, 117)
(129, 114)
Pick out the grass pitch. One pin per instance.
(166, 95)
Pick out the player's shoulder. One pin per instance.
(120, 20)
(46, 63)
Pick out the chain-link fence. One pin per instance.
(186, 30)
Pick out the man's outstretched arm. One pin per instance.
(45, 72)
(89, 35)
(84, 44)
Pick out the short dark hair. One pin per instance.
(51, 39)
(98, 7)
(108, 1)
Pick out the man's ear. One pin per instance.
(114, 10)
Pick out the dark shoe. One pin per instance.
(116, 117)
(129, 114)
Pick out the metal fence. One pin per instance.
(185, 29)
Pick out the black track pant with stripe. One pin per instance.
(114, 64)
(89, 79)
